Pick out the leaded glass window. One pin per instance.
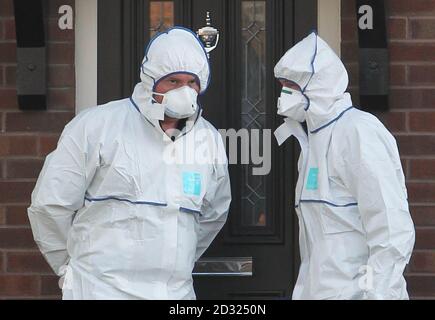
(253, 114)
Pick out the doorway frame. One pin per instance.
(86, 44)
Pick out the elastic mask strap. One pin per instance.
(153, 101)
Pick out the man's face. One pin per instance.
(175, 81)
(290, 84)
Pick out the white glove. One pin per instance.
(65, 280)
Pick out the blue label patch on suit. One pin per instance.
(192, 183)
(312, 182)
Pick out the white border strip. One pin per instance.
(86, 46)
(329, 23)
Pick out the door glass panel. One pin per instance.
(161, 16)
(253, 114)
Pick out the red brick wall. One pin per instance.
(411, 32)
(25, 139)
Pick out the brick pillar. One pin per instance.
(411, 34)
(26, 138)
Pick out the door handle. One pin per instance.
(221, 267)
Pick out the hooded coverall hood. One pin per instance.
(177, 50)
(321, 75)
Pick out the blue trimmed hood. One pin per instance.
(315, 67)
(177, 50)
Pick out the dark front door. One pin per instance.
(255, 256)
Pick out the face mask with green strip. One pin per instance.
(292, 104)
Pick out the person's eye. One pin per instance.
(173, 81)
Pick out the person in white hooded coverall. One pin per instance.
(356, 233)
(114, 211)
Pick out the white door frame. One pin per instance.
(86, 46)
(329, 23)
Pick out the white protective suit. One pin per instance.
(356, 233)
(128, 222)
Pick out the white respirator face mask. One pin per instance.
(292, 104)
(180, 103)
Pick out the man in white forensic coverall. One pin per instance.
(356, 233)
(118, 211)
